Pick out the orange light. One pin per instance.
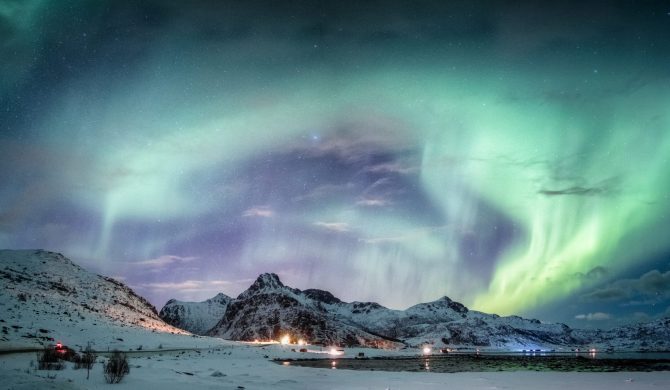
(301, 342)
(285, 340)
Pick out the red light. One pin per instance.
(59, 345)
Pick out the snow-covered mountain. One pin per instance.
(269, 310)
(648, 336)
(195, 317)
(46, 297)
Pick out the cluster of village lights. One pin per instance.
(286, 340)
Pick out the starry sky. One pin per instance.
(513, 157)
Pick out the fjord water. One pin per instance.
(466, 362)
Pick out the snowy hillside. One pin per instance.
(269, 310)
(48, 298)
(650, 336)
(195, 317)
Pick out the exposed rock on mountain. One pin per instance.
(269, 310)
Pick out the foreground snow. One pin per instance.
(229, 365)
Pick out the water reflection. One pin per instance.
(482, 362)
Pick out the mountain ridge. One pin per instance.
(269, 310)
(47, 297)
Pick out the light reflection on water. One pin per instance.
(481, 362)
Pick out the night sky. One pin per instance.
(513, 157)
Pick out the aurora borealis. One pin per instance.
(513, 157)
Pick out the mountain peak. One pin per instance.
(220, 297)
(444, 302)
(268, 280)
(453, 305)
(265, 282)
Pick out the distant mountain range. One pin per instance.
(46, 297)
(268, 310)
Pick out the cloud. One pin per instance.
(259, 211)
(597, 316)
(409, 235)
(377, 184)
(164, 261)
(643, 302)
(597, 272)
(195, 290)
(606, 294)
(593, 274)
(391, 167)
(186, 285)
(383, 188)
(604, 187)
(653, 283)
(360, 139)
(380, 193)
(325, 190)
(373, 202)
(340, 227)
(574, 191)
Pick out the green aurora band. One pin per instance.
(575, 155)
(586, 181)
